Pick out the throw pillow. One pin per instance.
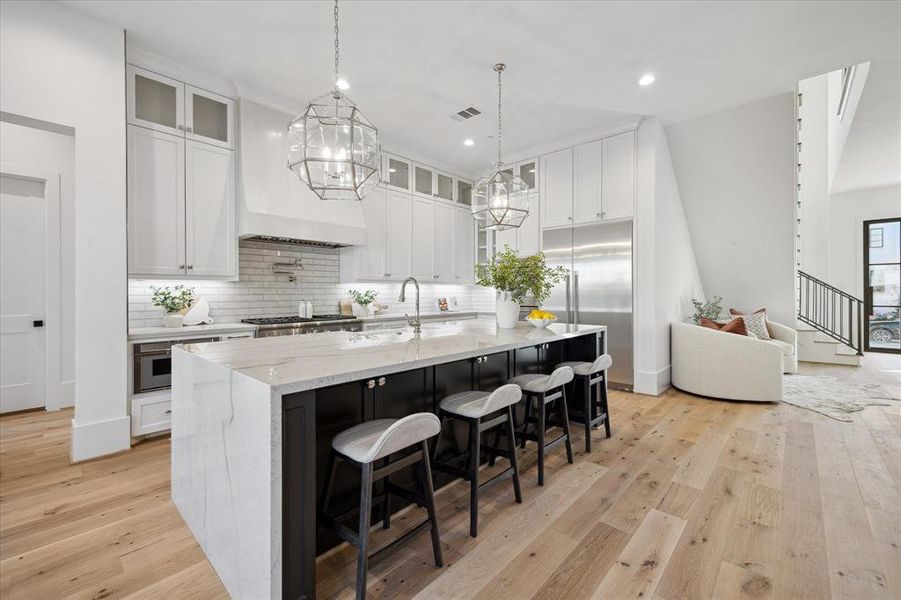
(754, 322)
(734, 326)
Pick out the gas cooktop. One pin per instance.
(292, 320)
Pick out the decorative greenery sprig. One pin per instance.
(710, 309)
(174, 299)
(363, 298)
(520, 276)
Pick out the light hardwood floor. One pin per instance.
(692, 498)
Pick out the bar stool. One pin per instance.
(592, 375)
(361, 446)
(544, 390)
(472, 407)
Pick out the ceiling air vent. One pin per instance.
(466, 113)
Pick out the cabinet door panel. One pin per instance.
(506, 237)
(494, 371)
(444, 242)
(464, 246)
(422, 179)
(619, 176)
(210, 210)
(587, 193)
(372, 256)
(155, 101)
(398, 209)
(529, 233)
(557, 188)
(423, 235)
(209, 117)
(156, 202)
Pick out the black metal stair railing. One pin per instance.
(830, 310)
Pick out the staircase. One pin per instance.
(830, 323)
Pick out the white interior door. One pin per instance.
(23, 214)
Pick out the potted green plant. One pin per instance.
(175, 301)
(710, 309)
(364, 300)
(514, 277)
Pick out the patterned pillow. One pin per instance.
(754, 322)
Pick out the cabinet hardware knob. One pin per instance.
(598, 214)
(181, 266)
(370, 384)
(189, 129)
(569, 218)
(169, 412)
(603, 214)
(180, 127)
(381, 381)
(190, 266)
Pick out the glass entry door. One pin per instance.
(882, 284)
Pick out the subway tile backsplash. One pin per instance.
(261, 292)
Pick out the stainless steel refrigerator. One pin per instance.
(598, 289)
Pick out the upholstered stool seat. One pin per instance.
(543, 390)
(593, 379)
(482, 411)
(364, 444)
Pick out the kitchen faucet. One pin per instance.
(416, 324)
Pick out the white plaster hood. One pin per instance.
(272, 201)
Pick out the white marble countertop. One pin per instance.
(303, 362)
(189, 331)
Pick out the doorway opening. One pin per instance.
(882, 284)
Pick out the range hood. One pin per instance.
(273, 204)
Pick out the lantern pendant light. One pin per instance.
(500, 201)
(334, 149)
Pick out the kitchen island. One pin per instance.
(252, 423)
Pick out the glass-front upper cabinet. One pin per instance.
(155, 101)
(209, 117)
(422, 181)
(527, 173)
(397, 173)
(464, 192)
(444, 187)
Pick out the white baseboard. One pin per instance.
(90, 440)
(651, 383)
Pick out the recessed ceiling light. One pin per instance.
(342, 84)
(646, 79)
(468, 142)
(392, 170)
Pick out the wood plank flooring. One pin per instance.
(691, 498)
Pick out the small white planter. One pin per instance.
(173, 320)
(507, 311)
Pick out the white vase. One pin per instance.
(173, 320)
(507, 310)
(360, 311)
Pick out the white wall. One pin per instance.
(814, 176)
(735, 171)
(666, 272)
(848, 212)
(840, 127)
(63, 67)
(53, 152)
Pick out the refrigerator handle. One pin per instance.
(568, 298)
(575, 297)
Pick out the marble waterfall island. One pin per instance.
(253, 419)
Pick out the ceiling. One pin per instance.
(572, 66)
(871, 156)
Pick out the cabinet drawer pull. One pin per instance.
(169, 412)
(370, 384)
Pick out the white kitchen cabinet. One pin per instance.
(371, 258)
(556, 184)
(396, 173)
(423, 181)
(423, 236)
(154, 101)
(464, 247)
(209, 117)
(587, 182)
(464, 192)
(618, 188)
(444, 242)
(444, 186)
(151, 413)
(398, 213)
(156, 202)
(484, 246)
(210, 241)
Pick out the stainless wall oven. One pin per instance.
(153, 364)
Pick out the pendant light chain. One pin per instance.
(500, 69)
(336, 43)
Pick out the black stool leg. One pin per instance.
(568, 441)
(438, 438)
(602, 387)
(326, 484)
(511, 446)
(540, 407)
(589, 413)
(386, 500)
(525, 420)
(474, 460)
(426, 470)
(365, 509)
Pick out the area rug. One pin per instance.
(832, 397)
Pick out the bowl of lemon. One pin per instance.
(541, 318)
